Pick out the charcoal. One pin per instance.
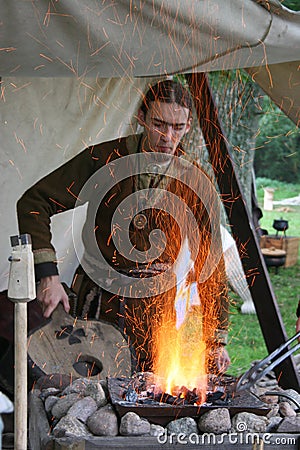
(180, 401)
(147, 401)
(164, 397)
(130, 395)
(218, 398)
(191, 396)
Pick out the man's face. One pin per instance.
(164, 124)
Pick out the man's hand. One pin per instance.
(50, 293)
(219, 359)
(222, 358)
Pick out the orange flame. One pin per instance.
(180, 354)
(177, 350)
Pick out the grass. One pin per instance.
(290, 213)
(246, 342)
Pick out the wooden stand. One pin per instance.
(290, 244)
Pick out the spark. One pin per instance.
(8, 49)
(2, 93)
(78, 357)
(15, 69)
(21, 142)
(100, 48)
(23, 86)
(266, 64)
(41, 66)
(110, 198)
(46, 57)
(69, 189)
(113, 233)
(17, 169)
(57, 203)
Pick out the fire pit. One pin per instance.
(127, 395)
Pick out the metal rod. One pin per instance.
(261, 368)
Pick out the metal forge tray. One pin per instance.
(163, 413)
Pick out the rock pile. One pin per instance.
(82, 409)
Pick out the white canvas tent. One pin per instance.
(73, 70)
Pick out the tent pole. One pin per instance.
(242, 227)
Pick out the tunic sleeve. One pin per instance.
(53, 194)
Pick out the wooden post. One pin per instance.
(21, 376)
(242, 228)
(21, 289)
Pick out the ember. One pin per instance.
(139, 391)
(139, 395)
(185, 397)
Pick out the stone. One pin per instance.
(104, 422)
(185, 425)
(49, 392)
(63, 404)
(295, 402)
(88, 388)
(83, 409)
(274, 411)
(69, 426)
(78, 386)
(286, 409)
(105, 387)
(50, 402)
(134, 425)
(95, 390)
(156, 430)
(269, 399)
(289, 425)
(273, 424)
(216, 421)
(267, 383)
(249, 422)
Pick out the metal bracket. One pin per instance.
(21, 284)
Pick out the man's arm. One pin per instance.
(55, 193)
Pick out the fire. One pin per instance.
(180, 353)
(172, 332)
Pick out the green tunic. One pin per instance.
(60, 191)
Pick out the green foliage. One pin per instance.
(246, 342)
(277, 155)
(282, 190)
(292, 4)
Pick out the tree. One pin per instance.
(278, 142)
(292, 4)
(237, 98)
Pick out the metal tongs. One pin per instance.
(261, 368)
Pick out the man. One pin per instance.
(165, 115)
